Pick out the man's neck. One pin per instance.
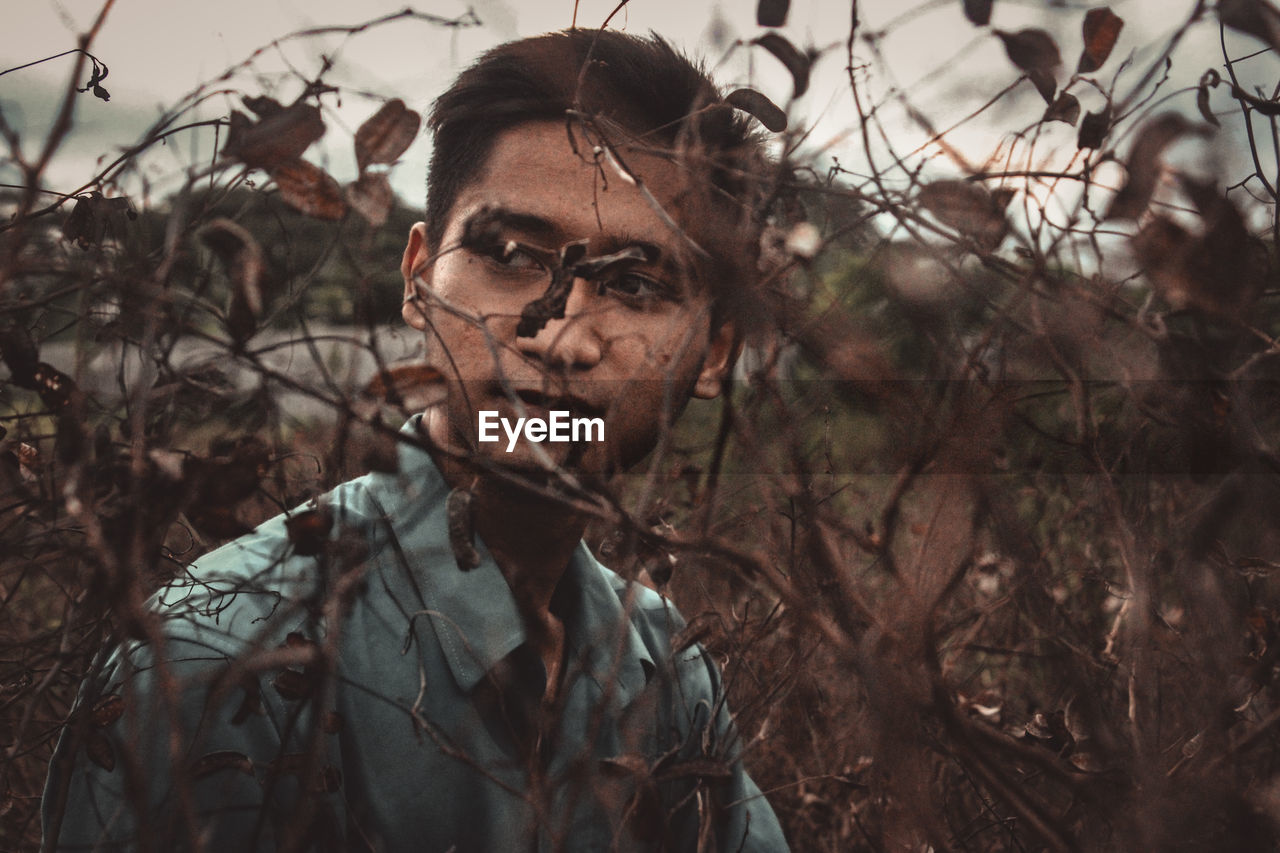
(532, 537)
(530, 532)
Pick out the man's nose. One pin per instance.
(574, 342)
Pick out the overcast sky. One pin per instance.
(160, 50)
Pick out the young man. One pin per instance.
(452, 669)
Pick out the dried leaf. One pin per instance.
(1050, 728)
(1159, 246)
(602, 266)
(551, 304)
(243, 259)
(1066, 107)
(223, 759)
(1221, 271)
(772, 13)
(99, 73)
(100, 751)
(1045, 82)
(222, 481)
(1036, 53)
(106, 711)
(386, 134)
(294, 686)
(758, 106)
(299, 640)
(371, 196)
(262, 105)
(277, 139)
(461, 529)
(1144, 164)
(309, 531)
(1031, 49)
(1208, 80)
(1101, 29)
(797, 63)
(310, 190)
(978, 11)
(1094, 129)
(969, 208)
(1257, 18)
(95, 218)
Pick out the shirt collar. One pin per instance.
(473, 614)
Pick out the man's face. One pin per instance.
(633, 345)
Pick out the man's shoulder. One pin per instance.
(264, 581)
(645, 602)
(655, 617)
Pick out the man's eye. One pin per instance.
(634, 287)
(512, 256)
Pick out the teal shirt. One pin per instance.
(404, 743)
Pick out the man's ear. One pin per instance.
(721, 355)
(415, 261)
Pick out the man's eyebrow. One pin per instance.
(663, 257)
(532, 224)
(542, 229)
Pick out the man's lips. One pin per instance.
(536, 398)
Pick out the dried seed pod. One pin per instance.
(461, 529)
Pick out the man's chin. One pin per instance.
(540, 462)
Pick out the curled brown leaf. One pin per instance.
(242, 258)
(978, 11)
(1208, 80)
(106, 711)
(279, 137)
(1144, 163)
(1035, 52)
(759, 107)
(789, 55)
(371, 196)
(1065, 108)
(969, 208)
(1094, 129)
(310, 190)
(1257, 18)
(772, 13)
(386, 134)
(1101, 29)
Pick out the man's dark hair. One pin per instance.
(639, 86)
